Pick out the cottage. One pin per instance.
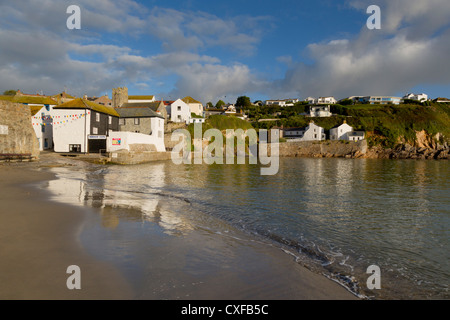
(195, 106)
(312, 132)
(178, 111)
(340, 132)
(82, 126)
(320, 111)
(356, 135)
(421, 97)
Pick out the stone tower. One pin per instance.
(119, 96)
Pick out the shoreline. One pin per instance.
(39, 241)
(36, 255)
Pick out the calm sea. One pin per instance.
(335, 216)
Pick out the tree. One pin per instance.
(243, 101)
(10, 92)
(220, 104)
(209, 105)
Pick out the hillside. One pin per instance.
(385, 125)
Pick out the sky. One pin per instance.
(213, 50)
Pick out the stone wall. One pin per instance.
(324, 149)
(17, 135)
(125, 157)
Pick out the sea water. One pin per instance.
(336, 217)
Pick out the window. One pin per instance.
(94, 130)
(179, 108)
(136, 121)
(97, 117)
(42, 128)
(121, 122)
(109, 120)
(75, 148)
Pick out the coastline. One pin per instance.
(39, 243)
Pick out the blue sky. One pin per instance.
(214, 50)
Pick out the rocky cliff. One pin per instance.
(17, 135)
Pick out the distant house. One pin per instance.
(41, 108)
(178, 111)
(382, 100)
(326, 100)
(320, 111)
(441, 100)
(345, 132)
(312, 132)
(63, 97)
(282, 103)
(421, 97)
(213, 111)
(197, 120)
(103, 100)
(195, 106)
(82, 126)
(356, 135)
(340, 132)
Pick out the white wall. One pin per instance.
(127, 138)
(183, 115)
(196, 108)
(70, 130)
(38, 121)
(314, 133)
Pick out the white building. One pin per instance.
(179, 111)
(82, 126)
(320, 111)
(311, 133)
(326, 100)
(340, 132)
(195, 106)
(345, 132)
(282, 103)
(141, 99)
(421, 97)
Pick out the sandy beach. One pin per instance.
(41, 238)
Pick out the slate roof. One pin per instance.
(137, 112)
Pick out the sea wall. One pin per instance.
(17, 135)
(324, 149)
(125, 157)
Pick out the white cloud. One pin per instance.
(411, 49)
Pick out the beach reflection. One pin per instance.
(113, 192)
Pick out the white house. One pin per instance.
(382, 100)
(326, 100)
(311, 133)
(281, 103)
(141, 99)
(421, 97)
(179, 111)
(320, 111)
(356, 135)
(195, 106)
(340, 132)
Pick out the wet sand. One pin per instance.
(39, 239)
